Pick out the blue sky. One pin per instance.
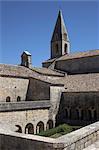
(28, 25)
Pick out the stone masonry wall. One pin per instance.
(38, 90)
(77, 140)
(78, 108)
(55, 96)
(13, 87)
(22, 118)
(79, 65)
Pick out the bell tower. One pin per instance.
(60, 44)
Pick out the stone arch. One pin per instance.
(66, 113)
(40, 127)
(8, 99)
(89, 114)
(70, 113)
(82, 114)
(29, 129)
(95, 115)
(19, 128)
(18, 99)
(49, 124)
(77, 113)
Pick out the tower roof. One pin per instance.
(60, 30)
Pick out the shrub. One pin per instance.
(63, 129)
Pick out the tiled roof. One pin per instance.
(79, 55)
(47, 71)
(46, 75)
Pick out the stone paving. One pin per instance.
(94, 146)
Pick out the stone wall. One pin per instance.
(38, 90)
(26, 89)
(77, 140)
(46, 64)
(78, 108)
(55, 96)
(78, 65)
(24, 117)
(24, 105)
(13, 87)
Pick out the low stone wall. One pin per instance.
(24, 105)
(76, 140)
(81, 138)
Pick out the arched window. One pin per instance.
(49, 124)
(65, 48)
(18, 98)
(40, 127)
(19, 129)
(56, 47)
(8, 99)
(29, 129)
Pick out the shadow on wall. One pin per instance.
(78, 108)
(38, 90)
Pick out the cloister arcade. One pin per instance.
(29, 128)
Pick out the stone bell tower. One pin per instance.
(60, 44)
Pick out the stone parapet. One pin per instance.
(77, 140)
(81, 138)
(26, 105)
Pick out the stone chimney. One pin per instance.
(26, 59)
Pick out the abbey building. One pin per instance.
(64, 90)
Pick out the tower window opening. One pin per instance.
(56, 47)
(65, 36)
(65, 48)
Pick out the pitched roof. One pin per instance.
(24, 72)
(27, 53)
(47, 71)
(79, 55)
(60, 28)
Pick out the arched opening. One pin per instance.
(19, 129)
(82, 114)
(65, 36)
(77, 114)
(29, 129)
(65, 48)
(56, 47)
(40, 127)
(18, 99)
(49, 124)
(89, 115)
(70, 113)
(66, 113)
(8, 99)
(95, 115)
